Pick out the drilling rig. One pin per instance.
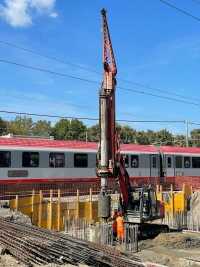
(108, 157)
(138, 205)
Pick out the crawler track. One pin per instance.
(33, 245)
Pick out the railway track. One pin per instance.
(36, 246)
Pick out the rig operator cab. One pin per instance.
(143, 206)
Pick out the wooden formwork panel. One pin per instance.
(51, 214)
(24, 202)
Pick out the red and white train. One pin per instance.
(27, 160)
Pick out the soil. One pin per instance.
(172, 241)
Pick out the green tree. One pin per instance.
(127, 135)
(60, 129)
(180, 140)
(41, 128)
(3, 127)
(195, 138)
(77, 130)
(151, 136)
(141, 138)
(93, 133)
(164, 138)
(20, 126)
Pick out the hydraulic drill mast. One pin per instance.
(109, 163)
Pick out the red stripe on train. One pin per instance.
(49, 180)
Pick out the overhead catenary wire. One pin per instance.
(91, 81)
(73, 105)
(78, 66)
(179, 10)
(72, 117)
(196, 1)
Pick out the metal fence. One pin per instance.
(193, 221)
(68, 190)
(76, 227)
(106, 233)
(130, 241)
(131, 238)
(183, 220)
(81, 228)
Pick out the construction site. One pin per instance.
(55, 230)
(160, 226)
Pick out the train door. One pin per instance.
(154, 166)
(169, 165)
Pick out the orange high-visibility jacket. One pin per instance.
(120, 222)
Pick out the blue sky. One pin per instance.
(156, 47)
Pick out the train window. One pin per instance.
(134, 161)
(169, 162)
(5, 159)
(30, 159)
(187, 162)
(80, 160)
(195, 162)
(154, 162)
(178, 161)
(126, 160)
(57, 160)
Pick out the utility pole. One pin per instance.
(186, 121)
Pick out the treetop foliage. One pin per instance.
(75, 129)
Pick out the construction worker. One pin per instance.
(120, 227)
(115, 223)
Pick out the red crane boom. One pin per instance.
(109, 162)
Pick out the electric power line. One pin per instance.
(45, 100)
(48, 71)
(86, 80)
(179, 10)
(78, 66)
(194, 123)
(71, 117)
(196, 1)
(73, 105)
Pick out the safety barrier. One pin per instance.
(130, 241)
(8, 191)
(106, 233)
(182, 220)
(131, 238)
(77, 227)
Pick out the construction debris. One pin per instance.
(18, 217)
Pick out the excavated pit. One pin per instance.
(172, 249)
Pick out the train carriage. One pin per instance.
(180, 161)
(31, 160)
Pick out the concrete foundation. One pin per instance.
(95, 233)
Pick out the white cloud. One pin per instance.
(19, 13)
(53, 15)
(42, 5)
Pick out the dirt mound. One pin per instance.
(172, 241)
(176, 240)
(194, 202)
